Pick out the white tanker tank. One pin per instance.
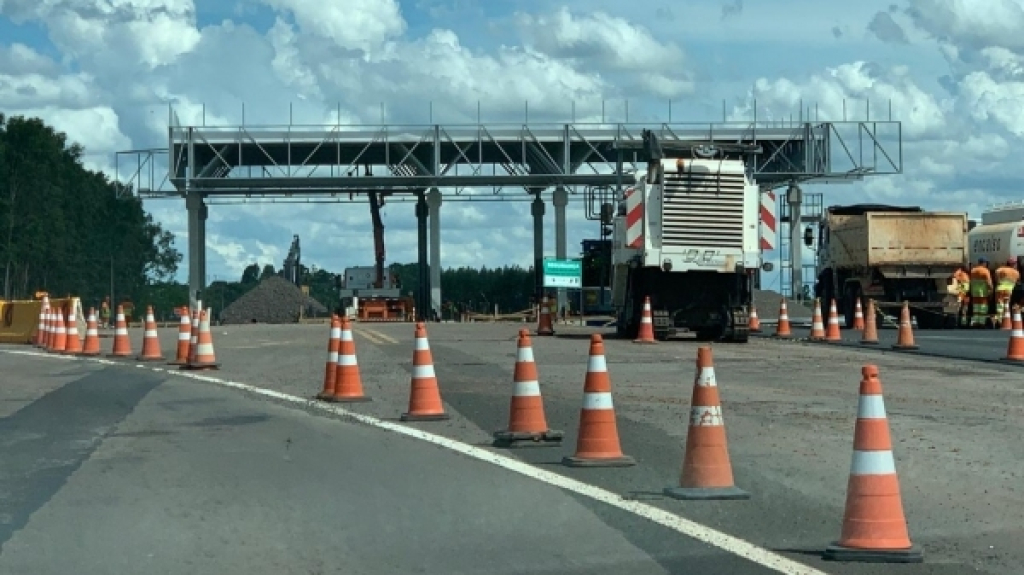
(1000, 238)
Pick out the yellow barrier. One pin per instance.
(19, 321)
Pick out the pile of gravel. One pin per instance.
(767, 303)
(274, 300)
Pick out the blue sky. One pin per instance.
(104, 72)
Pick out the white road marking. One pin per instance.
(692, 529)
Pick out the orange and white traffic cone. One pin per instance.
(122, 345)
(348, 382)
(833, 334)
(544, 325)
(184, 340)
(1015, 349)
(905, 338)
(754, 323)
(527, 425)
(1007, 324)
(707, 470)
(597, 444)
(645, 334)
(858, 316)
(874, 527)
(331, 367)
(782, 328)
(44, 309)
(51, 328)
(60, 337)
(817, 323)
(91, 347)
(150, 339)
(72, 345)
(193, 340)
(203, 356)
(870, 334)
(425, 395)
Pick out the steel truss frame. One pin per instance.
(334, 163)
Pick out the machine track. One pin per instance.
(740, 328)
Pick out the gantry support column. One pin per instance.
(423, 292)
(795, 197)
(560, 199)
(434, 205)
(197, 214)
(537, 210)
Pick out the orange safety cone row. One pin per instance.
(122, 345)
(424, 395)
(1015, 348)
(832, 334)
(597, 444)
(782, 328)
(754, 323)
(203, 356)
(874, 526)
(331, 367)
(184, 340)
(905, 338)
(707, 470)
(858, 316)
(60, 337)
(544, 325)
(817, 323)
(150, 339)
(870, 334)
(91, 347)
(527, 424)
(348, 382)
(72, 345)
(646, 332)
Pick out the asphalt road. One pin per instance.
(129, 470)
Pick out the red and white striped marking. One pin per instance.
(529, 388)
(706, 415)
(634, 218)
(768, 221)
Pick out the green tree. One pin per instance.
(251, 274)
(268, 270)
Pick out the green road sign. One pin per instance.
(563, 273)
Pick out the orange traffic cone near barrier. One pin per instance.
(874, 527)
(905, 339)
(203, 356)
(833, 334)
(782, 328)
(646, 332)
(44, 310)
(425, 396)
(707, 471)
(858, 316)
(544, 325)
(754, 323)
(331, 368)
(193, 339)
(60, 338)
(91, 347)
(527, 425)
(1007, 324)
(150, 339)
(122, 345)
(51, 329)
(184, 339)
(1015, 349)
(870, 334)
(597, 444)
(73, 345)
(817, 323)
(348, 383)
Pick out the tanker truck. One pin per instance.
(891, 254)
(685, 234)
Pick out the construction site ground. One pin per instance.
(789, 408)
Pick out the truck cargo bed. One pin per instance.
(888, 239)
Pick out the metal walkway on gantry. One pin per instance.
(429, 164)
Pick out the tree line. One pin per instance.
(68, 230)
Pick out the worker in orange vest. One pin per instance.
(962, 289)
(981, 290)
(1007, 277)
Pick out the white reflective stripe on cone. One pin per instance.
(597, 400)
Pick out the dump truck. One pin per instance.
(685, 234)
(891, 254)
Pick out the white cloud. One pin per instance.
(952, 70)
